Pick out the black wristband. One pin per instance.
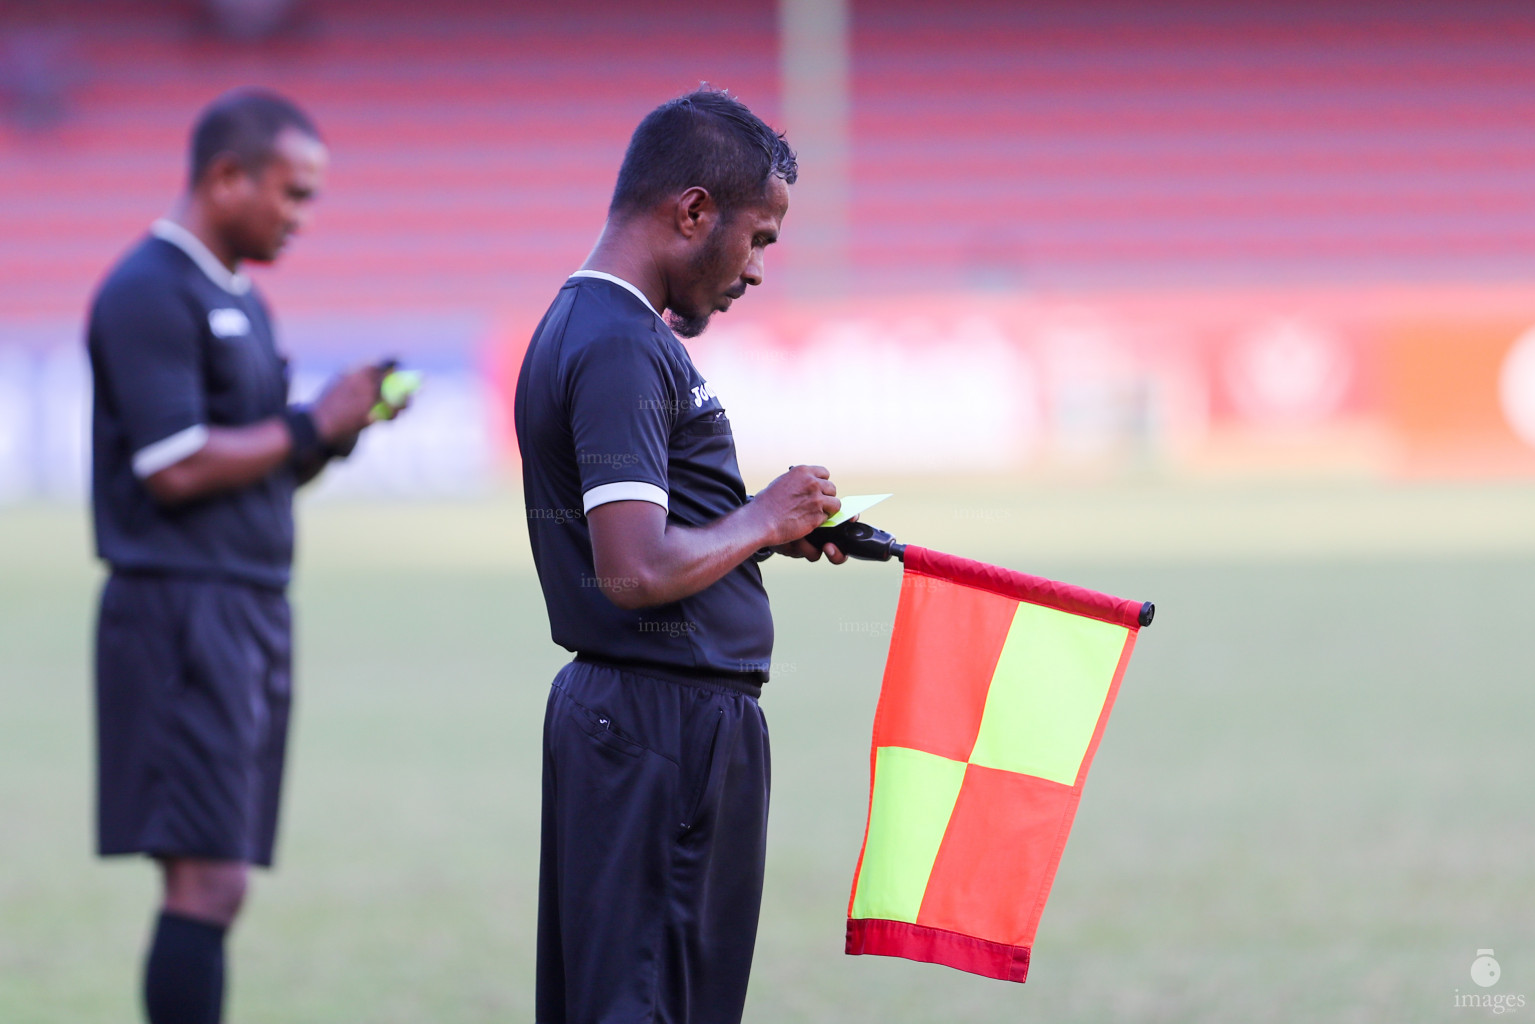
(342, 448)
(307, 446)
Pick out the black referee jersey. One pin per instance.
(610, 407)
(179, 344)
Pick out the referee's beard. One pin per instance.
(708, 264)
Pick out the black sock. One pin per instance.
(184, 975)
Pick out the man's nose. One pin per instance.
(753, 272)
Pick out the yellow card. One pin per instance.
(854, 504)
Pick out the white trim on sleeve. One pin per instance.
(150, 459)
(624, 490)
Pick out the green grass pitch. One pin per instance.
(1313, 802)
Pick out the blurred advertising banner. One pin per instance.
(1428, 381)
(1384, 382)
(446, 445)
(44, 422)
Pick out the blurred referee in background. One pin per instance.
(656, 773)
(197, 454)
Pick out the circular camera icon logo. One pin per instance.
(1484, 969)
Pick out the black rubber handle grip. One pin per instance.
(858, 540)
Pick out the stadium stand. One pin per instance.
(1128, 143)
(1001, 146)
(473, 152)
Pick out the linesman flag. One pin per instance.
(996, 692)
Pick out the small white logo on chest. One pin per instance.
(228, 323)
(703, 393)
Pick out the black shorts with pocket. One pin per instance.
(655, 802)
(192, 698)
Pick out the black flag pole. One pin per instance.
(869, 543)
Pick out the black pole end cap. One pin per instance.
(1148, 612)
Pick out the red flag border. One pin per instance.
(880, 937)
(1022, 587)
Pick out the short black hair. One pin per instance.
(245, 123)
(707, 138)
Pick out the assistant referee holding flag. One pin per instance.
(655, 790)
(196, 456)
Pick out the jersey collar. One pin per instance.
(599, 275)
(181, 238)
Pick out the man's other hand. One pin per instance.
(804, 549)
(345, 407)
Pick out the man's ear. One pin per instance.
(224, 175)
(696, 212)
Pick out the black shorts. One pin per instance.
(654, 835)
(192, 696)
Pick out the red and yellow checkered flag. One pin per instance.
(996, 692)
